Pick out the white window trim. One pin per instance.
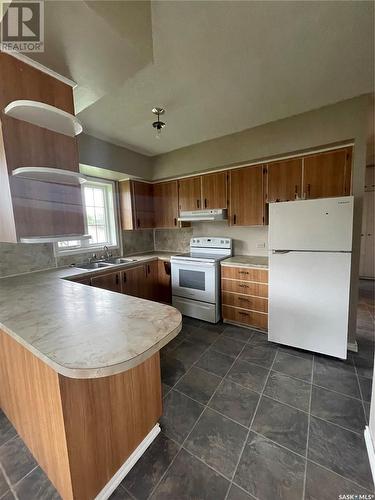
(85, 247)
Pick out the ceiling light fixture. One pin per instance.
(158, 125)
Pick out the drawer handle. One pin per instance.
(243, 272)
(243, 298)
(243, 313)
(243, 286)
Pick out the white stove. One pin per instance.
(196, 278)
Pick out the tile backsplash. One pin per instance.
(173, 240)
(18, 258)
(246, 240)
(138, 241)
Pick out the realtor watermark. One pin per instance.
(22, 26)
(356, 496)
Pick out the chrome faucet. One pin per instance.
(93, 258)
(107, 253)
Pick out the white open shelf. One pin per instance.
(48, 174)
(45, 116)
(54, 239)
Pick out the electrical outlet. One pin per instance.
(261, 245)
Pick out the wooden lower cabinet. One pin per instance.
(245, 301)
(134, 281)
(246, 317)
(164, 288)
(80, 431)
(151, 280)
(244, 296)
(110, 281)
(151, 288)
(245, 287)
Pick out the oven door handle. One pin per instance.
(192, 263)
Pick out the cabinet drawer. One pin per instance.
(245, 302)
(245, 274)
(245, 287)
(248, 318)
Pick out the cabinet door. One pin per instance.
(143, 205)
(246, 196)
(166, 204)
(284, 180)
(214, 190)
(189, 193)
(109, 281)
(134, 281)
(164, 290)
(327, 174)
(151, 280)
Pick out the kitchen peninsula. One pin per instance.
(80, 376)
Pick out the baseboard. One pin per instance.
(353, 346)
(112, 484)
(370, 451)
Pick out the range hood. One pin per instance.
(204, 215)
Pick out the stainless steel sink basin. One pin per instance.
(93, 265)
(119, 260)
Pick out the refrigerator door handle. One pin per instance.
(281, 251)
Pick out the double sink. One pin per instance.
(114, 261)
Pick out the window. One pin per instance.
(100, 218)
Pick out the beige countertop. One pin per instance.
(246, 261)
(82, 331)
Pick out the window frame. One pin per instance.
(114, 221)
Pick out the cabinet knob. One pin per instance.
(175, 221)
(124, 277)
(138, 223)
(198, 203)
(234, 218)
(205, 203)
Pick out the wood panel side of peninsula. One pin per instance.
(81, 431)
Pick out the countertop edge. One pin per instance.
(89, 373)
(232, 262)
(101, 371)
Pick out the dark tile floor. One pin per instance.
(242, 419)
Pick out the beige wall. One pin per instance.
(331, 124)
(346, 120)
(98, 153)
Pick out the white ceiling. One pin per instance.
(217, 67)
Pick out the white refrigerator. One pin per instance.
(310, 244)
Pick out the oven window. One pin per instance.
(192, 279)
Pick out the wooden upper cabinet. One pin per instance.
(136, 205)
(214, 190)
(284, 180)
(247, 196)
(189, 193)
(327, 174)
(144, 205)
(166, 204)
